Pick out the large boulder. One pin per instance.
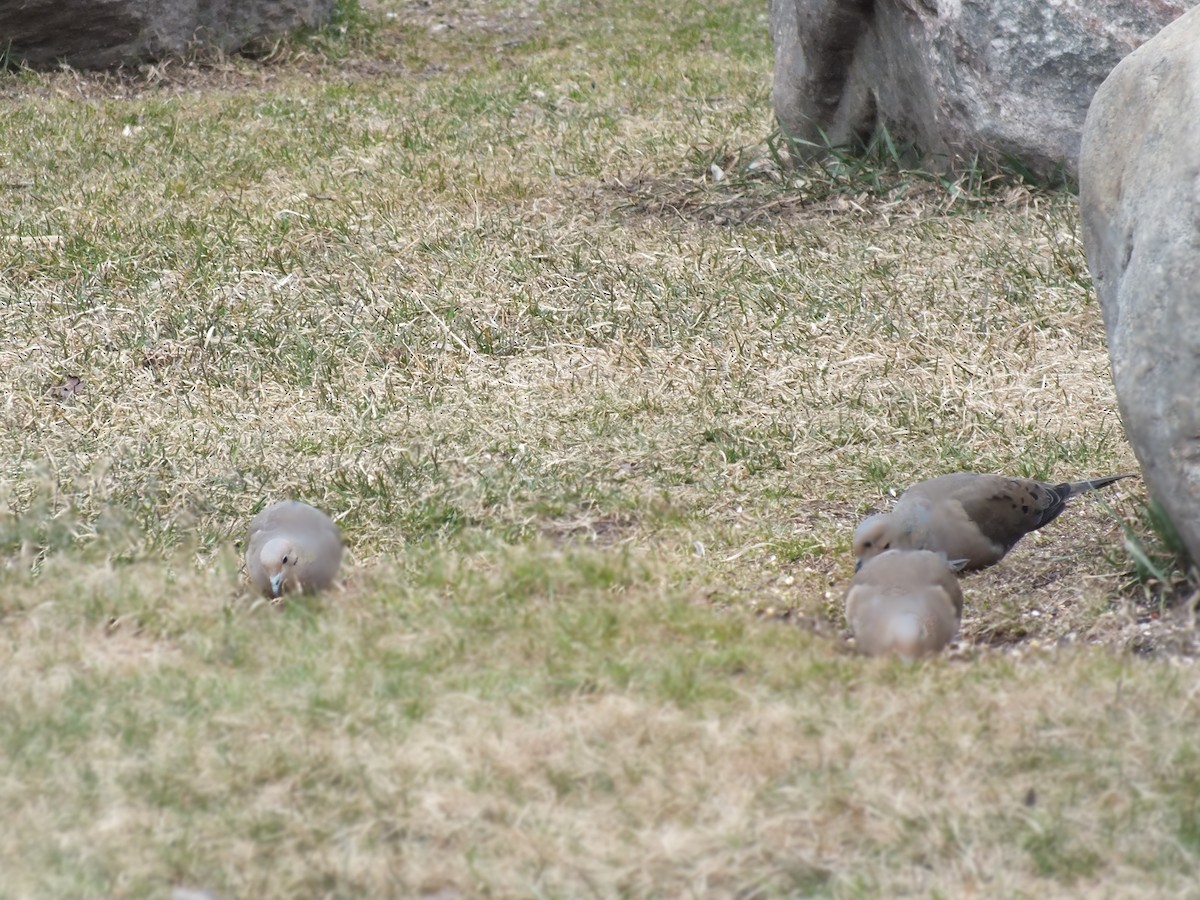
(92, 34)
(1139, 193)
(957, 79)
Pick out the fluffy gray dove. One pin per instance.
(976, 518)
(292, 547)
(906, 602)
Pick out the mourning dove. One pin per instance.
(292, 547)
(977, 518)
(904, 601)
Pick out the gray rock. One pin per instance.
(91, 34)
(957, 79)
(1139, 184)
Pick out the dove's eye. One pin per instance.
(284, 560)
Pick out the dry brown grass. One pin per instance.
(597, 394)
(519, 731)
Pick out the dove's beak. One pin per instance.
(277, 584)
(857, 564)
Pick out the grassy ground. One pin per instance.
(597, 394)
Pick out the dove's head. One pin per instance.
(279, 558)
(872, 537)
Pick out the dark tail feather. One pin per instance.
(1071, 488)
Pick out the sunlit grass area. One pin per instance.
(596, 390)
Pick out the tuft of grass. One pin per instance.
(882, 166)
(1159, 564)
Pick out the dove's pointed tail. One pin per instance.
(907, 635)
(1071, 488)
